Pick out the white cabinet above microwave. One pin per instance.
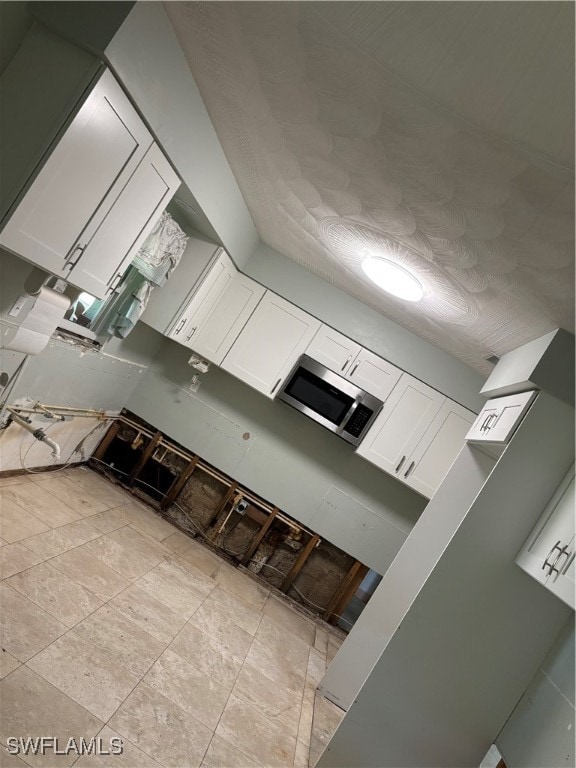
(270, 343)
(350, 360)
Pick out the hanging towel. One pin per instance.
(161, 251)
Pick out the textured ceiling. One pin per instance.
(438, 135)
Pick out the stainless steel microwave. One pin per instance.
(331, 400)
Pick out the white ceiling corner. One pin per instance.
(439, 134)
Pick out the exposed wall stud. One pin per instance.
(305, 552)
(345, 591)
(179, 483)
(146, 454)
(106, 441)
(259, 536)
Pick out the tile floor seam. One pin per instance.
(45, 490)
(49, 612)
(185, 714)
(234, 684)
(76, 546)
(179, 585)
(238, 695)
(60, 691)
(188, 621)
(53, 557)
(103, 720)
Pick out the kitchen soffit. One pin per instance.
(439, 135)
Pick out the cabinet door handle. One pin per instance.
(70, 262)
(355, 368)
(410, 468)
(192, 332)
(492, 416)
(553, 568)
(180, 326)
(116, 282)
(546, 563)
(275, 386)
(346, 362)
(568, 563)
(402, 460)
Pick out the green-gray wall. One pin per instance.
(311, 474)
(540, 730)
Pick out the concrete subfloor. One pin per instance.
(116, 624)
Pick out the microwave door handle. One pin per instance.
(346, 417)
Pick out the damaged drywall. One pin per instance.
(227, 517)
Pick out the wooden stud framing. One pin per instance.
(305, 552)
(222, 506)
(259, 536)
(106, 440)
(345, 591)
(146, 454)
(179, 483)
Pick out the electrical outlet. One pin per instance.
(241, 507)
(18, 306)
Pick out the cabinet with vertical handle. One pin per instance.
(550, 551)
(345, 357)
(98, 192)
(417, 435)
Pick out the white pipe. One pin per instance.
(39, 434)
(54, 445)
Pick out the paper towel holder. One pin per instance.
(38, 279)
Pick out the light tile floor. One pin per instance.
(116, 624)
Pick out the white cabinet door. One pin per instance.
(227, 318)
(114, 244)
(333, 349)
(349, 359)
(80, 180)
(549, 552)
(270, 344)
(405, 417)
(428, 465)
(499, 418)
(373, 374)
(208, 293)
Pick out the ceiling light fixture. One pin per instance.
(393, 278)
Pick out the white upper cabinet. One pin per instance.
(373, 374)
(428, 465)
(206, 296)
(417, 435)
(103, 259)
(499, 418)
(353, 362)
(80, 181)
(549, 552)
(227, 317)
(333, 349)
(405, 417)
(270, 343)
